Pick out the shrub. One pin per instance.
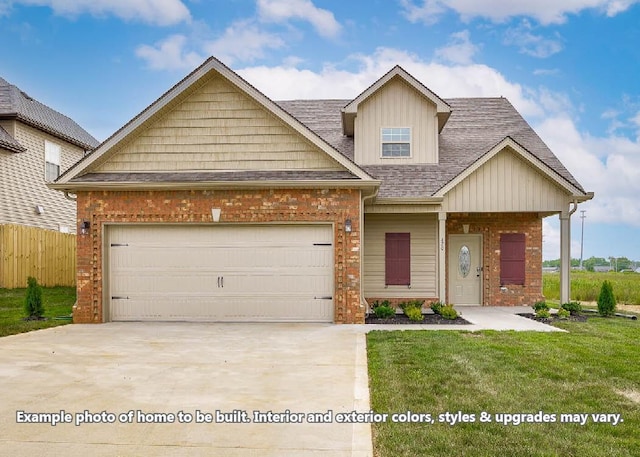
(411, 304)
(448, 312)
(384, 311)
(377, 303)
(543, 313)
(537, 306)
(414, 314)
(606, 300)
(33, 303)
(574, 307)
(563, 313)
(436, 306)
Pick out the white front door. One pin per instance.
(465, 269)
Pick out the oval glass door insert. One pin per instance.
(464, 261)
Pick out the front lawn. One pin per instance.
(57, 303)
(592, 369)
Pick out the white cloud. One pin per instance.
(551, 238)
(280, 11)
(530, 43)
(474, 80)
(242, 41)
(169, 54)
(157, 12)
(544, 11)
(608, 166)
(460, 49)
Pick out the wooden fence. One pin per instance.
(48, 256)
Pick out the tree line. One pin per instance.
(616, 263)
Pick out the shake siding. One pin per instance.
(396, 105)
(22, 184)
(423, 229)
(506, 183)
(216, 127)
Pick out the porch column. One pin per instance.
(442, 251)
(565, 257)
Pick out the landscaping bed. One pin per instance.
(553, 319)
(428, 319)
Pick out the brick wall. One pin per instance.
(491, 226)
(238, 206)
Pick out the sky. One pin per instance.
(569, 66)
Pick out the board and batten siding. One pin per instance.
(23, 185)
(506, 183)
(217, 128)
(423, 229)
(396, 105)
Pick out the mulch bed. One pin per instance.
(429, 319)
(552, 319)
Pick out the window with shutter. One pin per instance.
(512, 258)
(397, 259)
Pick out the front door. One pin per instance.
(465, 269)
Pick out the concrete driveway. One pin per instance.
(124, 372)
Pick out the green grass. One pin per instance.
(589, 370)
(57, 302)
(585, 286)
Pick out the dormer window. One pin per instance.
(396, 142)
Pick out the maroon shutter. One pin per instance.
(512, 258)
(397, 259)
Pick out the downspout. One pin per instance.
(575, 207)
(363, 301)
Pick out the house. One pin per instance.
(37, 143)
(216, 203)
(602, 268)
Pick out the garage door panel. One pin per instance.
(221, 273)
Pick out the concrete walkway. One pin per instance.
(134, 385)
(483, 318)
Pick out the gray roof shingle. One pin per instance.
(14, 103)
(475, 126)
(216, 176)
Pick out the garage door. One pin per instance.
(257, 273)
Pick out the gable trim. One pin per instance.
(528, 157)
(349, 111)
(210, 65)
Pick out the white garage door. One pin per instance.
(257, 273)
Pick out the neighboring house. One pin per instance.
(36, 144)
(602, 268)
(216, 203)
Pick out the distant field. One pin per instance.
(585, 286)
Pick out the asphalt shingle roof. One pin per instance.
(14, 103)
(475, 126)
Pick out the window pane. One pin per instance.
(51, 171)
(396, 150)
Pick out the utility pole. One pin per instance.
(582, 216)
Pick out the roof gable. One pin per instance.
(16, 104)
(507, 180)
(527, 157)
(227, 114)
(350, 111)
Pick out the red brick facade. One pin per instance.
(490, 226)
(238, 206)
